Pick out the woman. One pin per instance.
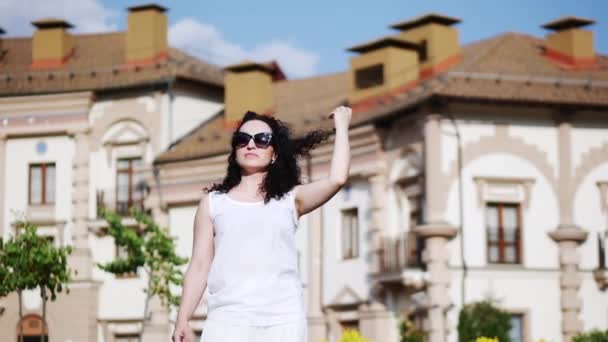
(244, 244)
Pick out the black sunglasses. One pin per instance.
(261, 140)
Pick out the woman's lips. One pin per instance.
(251, 155)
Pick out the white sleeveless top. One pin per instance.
(253, 279)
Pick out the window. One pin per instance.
(503, 233)
(42, 183)
(350, 233)
(126, 338)
(129, 192)
(422, 51)
(416, 242)
(517, 328)
(369, 76)
(31, 326)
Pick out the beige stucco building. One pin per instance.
(478, 171)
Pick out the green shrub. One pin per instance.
(409, 333)
(483, 319)
(592, 336)
(351, 335)
(486, 339)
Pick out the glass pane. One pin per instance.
(510, 254)
(345, 237)
(123, 164)
(516, 332)
(493, 253)
(510, 235)
(509, 217)
(50, 183)
(123, 187)
(36, 185)
(349, 233)
(492, 217)
(492, 235)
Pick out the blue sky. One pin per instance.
(307, 37)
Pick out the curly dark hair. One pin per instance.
(284, 173)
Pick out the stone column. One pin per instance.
(317, 328)
(436, 233)
(84, 292)
(436, 257)
(568, 236)
(81, 259)
(2, 181)
(432, 169)
(376, 224)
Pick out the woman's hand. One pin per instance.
(182, 333)
(341, 116)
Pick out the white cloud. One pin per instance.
(206, 42)
(86, 15)
(198, 38)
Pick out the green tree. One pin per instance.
(483, 319)
(30, 261)
(150, 248)
(592, 336)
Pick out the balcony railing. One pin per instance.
(120, 200)
(401, 252)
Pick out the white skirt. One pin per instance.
(215, 331)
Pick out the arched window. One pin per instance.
(31, 328)
(126, 144)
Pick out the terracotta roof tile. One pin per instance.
(507, 67)
(98, 63)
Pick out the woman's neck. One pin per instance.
(251, 183)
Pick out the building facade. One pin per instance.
(82, 118)
(478, 172)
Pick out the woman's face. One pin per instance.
(250, 157)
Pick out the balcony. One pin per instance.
(400, 260)
(41, 213)
(121, 199)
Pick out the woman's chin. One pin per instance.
(252, 168)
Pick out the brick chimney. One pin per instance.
(52, 44)
(438, 40)
(248, 86)
(146, 35)
(568, 45)
(384, 67)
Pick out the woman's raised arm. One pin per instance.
(314, 194)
